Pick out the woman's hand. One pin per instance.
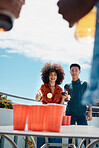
(67, 97)
(39, 95)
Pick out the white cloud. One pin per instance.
(41, 33)
(4, 56)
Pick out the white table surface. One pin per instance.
(74, 131)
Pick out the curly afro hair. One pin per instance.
(45, 71)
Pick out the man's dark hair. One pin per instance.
(75, 65)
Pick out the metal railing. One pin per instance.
(19, 97)
(95, 109)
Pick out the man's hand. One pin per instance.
(74, 10)
(89, 116)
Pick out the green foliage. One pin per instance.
(4, 104)
(30, 143)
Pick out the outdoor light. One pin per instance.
(9, 10)
(85, 28)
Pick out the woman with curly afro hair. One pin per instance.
(50, 92)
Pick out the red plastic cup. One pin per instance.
(37, 120)
(29, 118)
(54, 116)
(66, 120)
(20, 113)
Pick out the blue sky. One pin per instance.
(21, 75)
(39, 35)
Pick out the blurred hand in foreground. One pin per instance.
(74, 10)
(13, 6)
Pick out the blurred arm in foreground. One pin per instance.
(73, 11)
(92, 94)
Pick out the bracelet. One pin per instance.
(90, 110)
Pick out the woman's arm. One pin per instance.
(39, 95)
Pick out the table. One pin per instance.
(72, 131)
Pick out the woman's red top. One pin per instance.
(56, 96)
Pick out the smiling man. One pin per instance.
(76, 89)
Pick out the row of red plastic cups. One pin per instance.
(40, 117)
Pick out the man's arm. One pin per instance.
(89, 115)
